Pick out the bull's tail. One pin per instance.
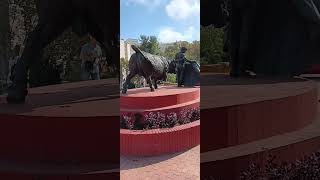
(136, 60)
(136, 49)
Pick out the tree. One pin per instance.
(124, 64)
(150, 44)
(193, 52)
(211, 45)
(4, 33)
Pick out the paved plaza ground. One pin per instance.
(178, 166)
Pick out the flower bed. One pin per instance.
(156, 120)
(159, 141)
(304, 169)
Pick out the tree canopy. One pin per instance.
(192, 54)
(150, 44)
(211, 45)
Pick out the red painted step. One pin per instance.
(61, 124)
(159, 141)
(154, 142)
(142, 98)
(229, 163)
(256, 109)
(174, 108)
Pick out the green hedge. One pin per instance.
(171, 78)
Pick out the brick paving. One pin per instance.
(178, 166)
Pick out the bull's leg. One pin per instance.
(40, 37)
(245, 61)
(155, 83)
(127, 82)
(150, 83)
(235, 40)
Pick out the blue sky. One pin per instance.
(169, 20)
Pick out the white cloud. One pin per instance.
(150, 4)
(183, 9)
(168, 35)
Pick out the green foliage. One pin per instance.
(135, 82)
(150, 44)
(124, 64)
(211, 45)
(193, 52)
(171, 78)
(171, 51)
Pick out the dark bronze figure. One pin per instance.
(99, 18)
(152, 67)
(180, 60)
(268, 37)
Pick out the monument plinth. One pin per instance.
(165, 100)
(246, 119)
(64, 130)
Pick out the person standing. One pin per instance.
(180, 65)
(90, 56)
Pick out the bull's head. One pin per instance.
(213, 12)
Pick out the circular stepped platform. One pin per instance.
(165, 99)
(241, 110)
(155, 142)
(286, 147)
(62, 131)
(254, 118)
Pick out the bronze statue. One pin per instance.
(99, 18)
(268, 37)
(180, 65)
(149, 66)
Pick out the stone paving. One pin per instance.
(178, 166)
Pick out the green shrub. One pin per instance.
(211, 51)
(171, 78)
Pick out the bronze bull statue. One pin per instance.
(268, 37)
(152, 67)
(99, 18)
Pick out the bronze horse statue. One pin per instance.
(268, 37)
(99, 18)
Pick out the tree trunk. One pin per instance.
(4, 35)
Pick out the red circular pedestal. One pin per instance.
(246, 119)
(66, 129)
(166, 99)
